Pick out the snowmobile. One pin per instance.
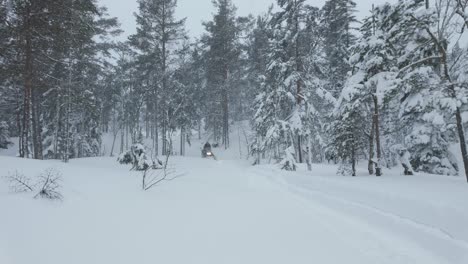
(207, 152)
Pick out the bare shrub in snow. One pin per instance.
(152, 177)
(19, 183)
(154, 171)
(47, 184)
(160, 171)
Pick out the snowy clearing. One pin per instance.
(229, 212)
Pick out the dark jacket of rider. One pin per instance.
(207, 146)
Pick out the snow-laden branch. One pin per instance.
(419, 62)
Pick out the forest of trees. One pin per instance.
(317, 84)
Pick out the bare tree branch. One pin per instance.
(19, 183)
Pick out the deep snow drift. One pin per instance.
(227, 211)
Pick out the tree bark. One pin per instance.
(18, 124)
(461, 135)
(225, 105)
(36, 124)
(164, 138)
(182, 142)
(370, 166)
(353, 160)
(147, 121)
(299, 149)
(122, 139)
(27, 83)
(199, 129)
(378, 168)
(309, 153)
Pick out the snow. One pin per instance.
(435, 118)
(228, 211)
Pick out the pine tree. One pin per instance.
(336, 27)
(58, 62)
(197, 85)
(258, 49)
(291, 91)
(157, 34)
(131, 94)
(350, 128)
(372, 63)
(223, 50)
(425, 91)
(73, 114)
(29, 26)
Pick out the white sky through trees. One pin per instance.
(197, 11)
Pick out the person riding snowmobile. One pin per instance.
(206, 151)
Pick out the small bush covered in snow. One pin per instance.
(138, 158)
(345, 169)
(289, 161)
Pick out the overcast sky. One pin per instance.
(197, 11)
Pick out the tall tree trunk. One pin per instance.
(122, 138)
(164, 138)
(164, 42)
(67, 127)
(298, 82)
(378, 168)
(353, 160)
(461, 135)
(127, 129)
(36, 124)
(57, 127)
(68, 109)
(225, 106)
(225, 119)
(199, 129)
(113, 143)
(28, 74)
(156, 139)
(155, 120)
(370, 165)
(182, 142)
(147, 121)
(309, 153)
(299, 149)
(19, 112)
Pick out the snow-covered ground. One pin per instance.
(227, 211)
